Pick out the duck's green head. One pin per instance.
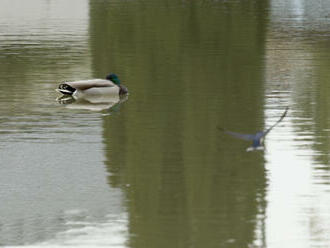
(113, 78)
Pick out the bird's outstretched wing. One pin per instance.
(281, 118)
(238, 135)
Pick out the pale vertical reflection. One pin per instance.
(112, 232)
(288, 154)
(298, 9)
(293, 9)
(53, 183)
(290, 187)
(298, 205)
(45, 37)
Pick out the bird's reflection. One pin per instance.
(93, 103)
(258, 138)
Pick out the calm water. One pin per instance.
(153, 170)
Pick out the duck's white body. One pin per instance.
(91, 83)
(92, 87)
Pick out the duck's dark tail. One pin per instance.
(122, 90)
(66, 89)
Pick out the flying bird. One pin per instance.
(257, 139)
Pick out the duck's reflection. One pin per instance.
(93, 103)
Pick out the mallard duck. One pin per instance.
(93, 87)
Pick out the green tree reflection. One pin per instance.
(188, 67)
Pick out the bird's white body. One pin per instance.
(258, 148)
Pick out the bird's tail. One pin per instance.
(66, 89)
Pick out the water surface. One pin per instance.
(154, 170)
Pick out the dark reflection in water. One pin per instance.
(189, 66)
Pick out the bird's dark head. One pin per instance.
(113, 78)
